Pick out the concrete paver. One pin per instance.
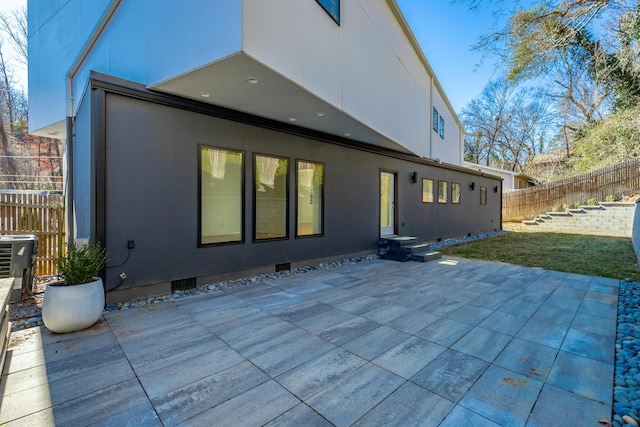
(453, 342)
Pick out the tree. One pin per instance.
(15, 25)
(608, 142)
(506, 125)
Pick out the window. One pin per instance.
(443, 192)
(455, 192)
(309, 198)
(441, 128)
(427, 191)
(483, 195)
(271, 193)
(332, 7)
(435, 119)
(221, 196)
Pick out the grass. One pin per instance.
(572, 253)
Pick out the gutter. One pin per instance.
(75, 66)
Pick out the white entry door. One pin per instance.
(387, 203)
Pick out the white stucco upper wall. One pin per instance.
(366, 67)
(142, 42)
(369, 66)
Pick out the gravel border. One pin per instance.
(626, 393)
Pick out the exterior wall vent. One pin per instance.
(283, 267)
(183, 284)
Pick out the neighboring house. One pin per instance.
(510, 180)
(233, 137)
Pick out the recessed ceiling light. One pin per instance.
(252, 80)
(204, 94)
(54, 133)
(347, 134)
(292, 119)
(319, 114)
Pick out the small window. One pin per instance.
(455, 192)
(221, 196)
(435, 119)
(443, 192)
(271, 193)
(427, 190)
(309, 198)
(332, 7)
(441, 128)
(483, 195)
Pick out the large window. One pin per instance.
(483, 195)
(455, 192)
(309, 198)
(435, 119)
(441, 128)
(271, 192)
(221, 196)
(443, 192)
(427, 190)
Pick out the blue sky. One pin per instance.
(447, 32)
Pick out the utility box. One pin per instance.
(18, 260)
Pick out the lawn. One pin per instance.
(573, 253)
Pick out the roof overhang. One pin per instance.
(241, 83)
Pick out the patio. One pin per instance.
(450, 343)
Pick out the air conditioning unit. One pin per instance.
(18, 260)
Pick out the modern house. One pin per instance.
(213, 139)
(510, 180)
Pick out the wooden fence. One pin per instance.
(618, 180)
(38, 214)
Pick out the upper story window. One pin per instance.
(332, 7)
(441, 128)
(435, 119)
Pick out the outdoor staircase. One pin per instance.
(405, 248)
(605, 219)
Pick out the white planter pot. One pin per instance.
(72, 308)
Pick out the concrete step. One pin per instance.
(397, 241)
(414, 249)
(426, 256)
(559, 214)
(395, 256)
(530, 222)
(576, 211)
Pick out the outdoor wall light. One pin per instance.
(495, 189)
(472, 186)
(414, 177)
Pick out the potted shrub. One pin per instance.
(76, 301)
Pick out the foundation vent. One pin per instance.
(283, 267)
(183, 284)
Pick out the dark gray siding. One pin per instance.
(152, 195)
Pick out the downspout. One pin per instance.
(75, 66)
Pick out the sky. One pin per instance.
(446, 31)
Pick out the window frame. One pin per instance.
(445, 200)
(201, 148)
(287, 200)
(441, 127)
(436, 115)
(453, 199)
(432, 191)
(324, 169)
(483, 195)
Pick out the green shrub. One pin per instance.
(592, 202)
(610, 198)
(81, 265)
